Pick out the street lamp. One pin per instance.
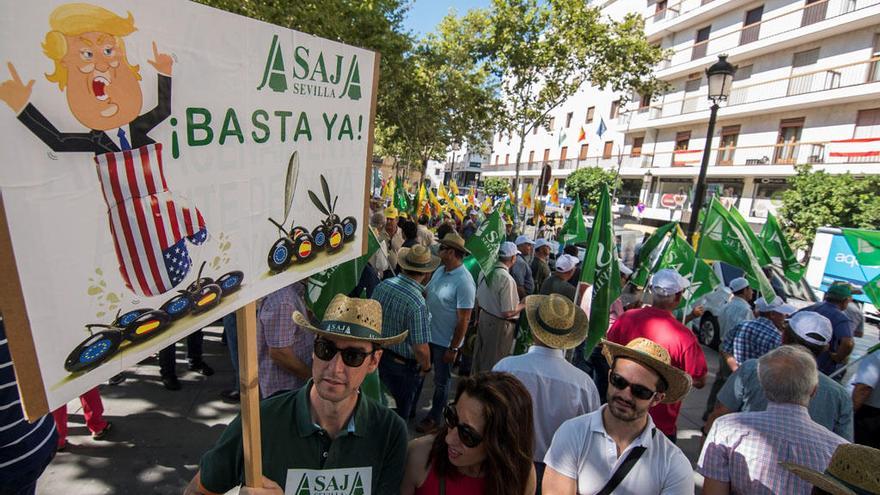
(720, 75)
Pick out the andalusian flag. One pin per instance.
(574, 231)
(339, 279)
(778, 248)
(527, 197)
(865, 245)
(484, 245)
(554, 192)
(722, 240)
(401, 198)
(453, 187)
(601, 271)
(435, 203)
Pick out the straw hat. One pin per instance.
(656, 357)
(556, 321)
(351, 318)
(454, 241)
(854, 469)
(417, 259)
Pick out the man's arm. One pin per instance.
(285, 358)
(195, 487)
(844, 349)
(555, 483)
(731, 361)
(461, 324)
(52, 137)
(423, 356)
(860, 394)
(715, 487)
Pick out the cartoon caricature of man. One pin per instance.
(149, 225)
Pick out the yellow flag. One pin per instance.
(443, 194)
(453, 187)
(422, 199)
(487, 205)
(527, 197)
(388, 190)
(472, 197)
(434, 201)
(554, 192)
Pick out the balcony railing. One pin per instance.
(673, 9)
(770, 26)
(840, 76)
(864, 150)
(608, 162)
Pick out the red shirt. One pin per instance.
(684, 350)
(457, 485)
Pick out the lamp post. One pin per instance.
(720, 75)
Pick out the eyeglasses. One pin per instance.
(639, 391)
(325, 350)
(443, 248)
(468, 436)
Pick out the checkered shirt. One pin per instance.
(745, 449)
(403, 308)
(752, 339)
(277, 329)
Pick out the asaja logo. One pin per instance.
(310, 74)
(351, 481)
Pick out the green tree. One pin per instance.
(544, 51)
(816, 199)
(586, 183)
(495, 186)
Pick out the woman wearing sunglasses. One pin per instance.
(484, 447)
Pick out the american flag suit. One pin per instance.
(149, 225)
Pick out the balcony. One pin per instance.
(625, 162)
(784, 90)
(773, 28)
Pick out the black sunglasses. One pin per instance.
(639, 391)
(468, 436)
(325, 350)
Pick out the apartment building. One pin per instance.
(463, 165)
(807, 90)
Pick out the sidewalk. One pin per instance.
(158, 436)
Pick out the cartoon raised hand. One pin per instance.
(15, 93)
(162, 62)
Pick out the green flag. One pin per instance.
(401, 198)
(680, 257)
(650, 253)
(754, 243)
(865, 245)
(601, 270)
(339, 279)
(484, 245)
(722, 240)
(872, 290)
(777, 247)
(573, 230)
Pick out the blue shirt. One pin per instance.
(831, 407)
(448, 291)
(403, 308)
(752, 339)
(841, 329)
(23, 446)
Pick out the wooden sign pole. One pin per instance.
(249, 388)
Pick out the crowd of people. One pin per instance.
(555, 418)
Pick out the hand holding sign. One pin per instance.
(14, 92)
(269, 488)
(161, 61)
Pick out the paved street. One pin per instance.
(158, 435)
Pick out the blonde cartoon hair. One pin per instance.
(73, 19)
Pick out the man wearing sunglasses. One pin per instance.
(327, 429)
(618, 445)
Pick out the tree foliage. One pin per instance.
(544, 51)
(586, 183)
(495, 186)
(817, 199)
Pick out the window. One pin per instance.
(743, 72)
(682, 140)
(691, 100)
(563, 154)
(751, 26)
(583, 153)
(805, 58)
(701, 43)
(814, 11)
(673, 193)
(867, 126)
(727, 145)
(637, 147)
(551, 124)
(615, 109)
(590, 112)
(800, 63)
(874, 74)
(532, 156)
(497, 157)
(546, 155)
(535, 130)
(660, 10)
(608, 149)
(738, 93)
(507, 159)
(644, 100)
(768, 196)
(568, 117)
(727, 191)
(787, 142)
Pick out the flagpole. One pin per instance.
(693, 273)
(843, 369)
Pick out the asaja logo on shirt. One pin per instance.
(312, 73)
(349, 481)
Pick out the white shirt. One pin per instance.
(424, 235)
(560, 391)
(869, 374)
(496, 293)
(582, 450)
(733, 313)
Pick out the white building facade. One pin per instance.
(807, 90)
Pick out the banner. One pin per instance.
(144, 147)
(573, 230)
(865, 245)
(484, 245)
(601, 271)
(722, 240)
(778, 248)
(651, 252)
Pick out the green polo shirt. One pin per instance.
(374, 441)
